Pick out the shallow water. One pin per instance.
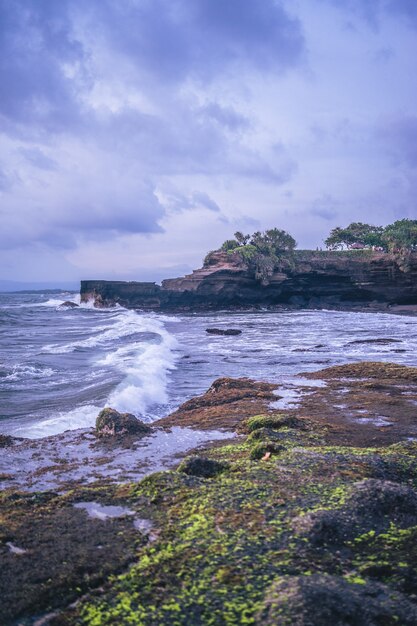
(59, 367)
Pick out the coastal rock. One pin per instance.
(111, 423)
(381, 341)
(332, 601)
(202, 467)
(313, 279)
(372, 505)
(6, 441)
(223, 331)
(226, 404)
(68, 304)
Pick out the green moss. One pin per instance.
(271, 421)
(261, 449)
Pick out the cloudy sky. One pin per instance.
(136, 135)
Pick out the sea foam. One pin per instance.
(144, 363)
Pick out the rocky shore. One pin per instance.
(350, 280)
(249, 515)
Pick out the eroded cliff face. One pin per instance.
(313, 279)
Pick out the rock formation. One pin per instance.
(313, 279)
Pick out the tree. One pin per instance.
(229, 245)
(241, 239)
(357, 234)
(262, 252)
(401, 236)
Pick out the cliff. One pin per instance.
(311, 279)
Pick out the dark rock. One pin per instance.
(274, 422)
(111, 423)
(6, 441)
(202, 467)
(68, 304)
(372, 505)
(327, 527)
(223, 331)
(331, 601)
(383, 497)
(313, 279)
(381, 341)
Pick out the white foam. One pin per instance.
(80, 417)
(146, 372)
(145, 367)
(22, 372)
(128, 323)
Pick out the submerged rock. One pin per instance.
(332, 601)
(223, 331)
(68, 304)
(202, 467)
(111, 423)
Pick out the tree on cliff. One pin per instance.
(401, 235)
(356, 235)
(262, 252)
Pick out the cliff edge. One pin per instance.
(355, 278)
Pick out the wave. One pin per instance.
(80, 417)
(128, 323)
(23, 372)
(146, 376)
(144, 366)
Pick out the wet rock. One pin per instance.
(383, 497)
(6, 441)
(273, 421)
(223, 331)
(332, 601)
(379, 341)
(327, 527)
(226, 404)
(372, 505)
(202, 467)
(68, 304)
(261, 449)
(111, 423)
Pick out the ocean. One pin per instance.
(59, 366)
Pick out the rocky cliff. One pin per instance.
(311, 279)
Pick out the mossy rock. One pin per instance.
(202, 467)
(260, 449)
(111, 423)
(373, 505)
(320, 600)
(272, 421)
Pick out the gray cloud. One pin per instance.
(399, 137)
(374, 10)
(178, 38)
(37, 158)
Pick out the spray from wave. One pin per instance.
(142, 362)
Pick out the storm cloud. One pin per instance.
(125, 126)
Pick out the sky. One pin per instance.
(137, 135)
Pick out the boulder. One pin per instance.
(111, 423)
(202, 467)
(321, 600)
(68, 304)
(6, 441)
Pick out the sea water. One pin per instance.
(60, 366)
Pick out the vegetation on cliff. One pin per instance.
(399, 238)
(263, 252)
